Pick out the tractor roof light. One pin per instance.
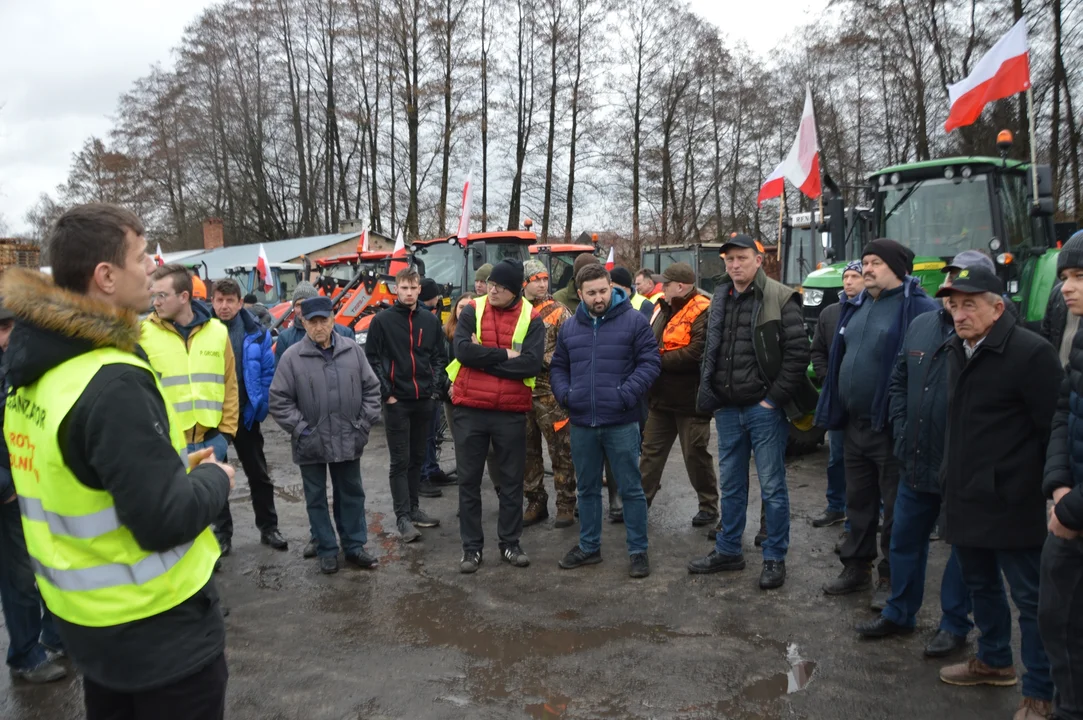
(1004, 141)
(949, 172)
(1005, 258)
(966, 172)
(895, 178)
(882, 180)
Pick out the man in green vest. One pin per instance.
(192, 354)
(116, 525)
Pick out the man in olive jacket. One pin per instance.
(326, 397)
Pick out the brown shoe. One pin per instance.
(565, 517)
(536, 511)
(975, 672)
(1033, 709)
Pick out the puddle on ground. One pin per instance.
(389, 543)
(551, 709)
(767, 690)
(568, 615)
(291, 493)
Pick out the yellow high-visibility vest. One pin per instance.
(517, 337)
(89, 568)
(637, 301)
(193, 375)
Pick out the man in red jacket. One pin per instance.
(499, 344)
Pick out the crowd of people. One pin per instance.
(943, 415)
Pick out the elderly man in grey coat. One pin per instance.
(326, 397)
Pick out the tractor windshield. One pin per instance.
(561, 271)
(801, 255)
(937, 217)
(284, 281)
(711, 268)
(668, 257)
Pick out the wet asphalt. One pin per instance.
(414, 638)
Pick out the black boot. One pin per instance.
(853, 579)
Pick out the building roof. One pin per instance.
(278, 251)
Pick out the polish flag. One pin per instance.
(363, 245)
(610, 262)
(1003, 71)
(398, 255)
(464, 213)
(263, 267)
(802, 166)
(158, 259)
(773, 186)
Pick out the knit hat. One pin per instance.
(482, 273)
(620, 276)
(1071, 255)
(680, 272)
(581, 262)
(898, 258)
(534, 268)
(429, 290)
(509, 274)
(854, 266)
(304, 291)
(970, 258)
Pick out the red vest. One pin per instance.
(476, 388)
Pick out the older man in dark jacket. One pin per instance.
(1060, 605)
(605, 361)
(326, 397)
(1003, 381)
(753, 378)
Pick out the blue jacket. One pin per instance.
(918, 400)
(256, 361)
(830, 413)
(602, 368)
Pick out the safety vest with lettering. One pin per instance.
(678, 331)
(517, 337)
(89, 568)
(193, 376)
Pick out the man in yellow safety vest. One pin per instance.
(116, 526)
(192, 354)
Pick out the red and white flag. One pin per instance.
(464, 212)
(263, 268)
(773, 186)
(802, 166)
(158, 259)
(610, 262)
(1003, 71)
(364, 240)
(398, 255)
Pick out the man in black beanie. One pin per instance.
(854, 398)
(498, 348)
(622, 278)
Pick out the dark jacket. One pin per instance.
(327, 406)
(918, 400)
(1055, 318)
(826, 325)
(7, 484)
(295, 334)
(405, 349)
(1064, 460)
(1000, 410)
(677, 385)
(568, 296)
(604, 367)
(780, 343)
(830, 413)
(112, 440)
(255, 366)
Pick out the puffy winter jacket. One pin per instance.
(604, 367)
(1064, 460)
(918, 400)
(488, 379)
(1055, 319)
(406, 351)
(256, 367)
(826, 324)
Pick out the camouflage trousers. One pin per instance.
(540, 423)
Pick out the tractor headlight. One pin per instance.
(812, 296)
(361, 337)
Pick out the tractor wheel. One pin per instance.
(804, 437)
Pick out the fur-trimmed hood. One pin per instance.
(53, 325)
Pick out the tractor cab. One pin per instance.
(705, 259)
(284, 278)
(452, 264)
(559, 259)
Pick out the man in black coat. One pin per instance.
(1003, 382)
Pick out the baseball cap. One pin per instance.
(973, 280)
(316, 307)
(740, 240)
(969, 259)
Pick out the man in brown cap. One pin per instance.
(680, 327)
(568, 295)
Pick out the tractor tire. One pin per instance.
(805, 437)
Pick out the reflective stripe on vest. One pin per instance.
(517, 337)
(678, 331)
(192, 375)
(89, 568)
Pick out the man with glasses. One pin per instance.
(499, 344)
(193, 356)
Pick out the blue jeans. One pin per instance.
(430, 466)
(349, 506)
(590, 448)
(218, 442)
(993, 616)
(836, 471)
(742, 431)
(28, 621)
(915, 515)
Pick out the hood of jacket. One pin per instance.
(618, 305)
(201, 314)
(55, 325)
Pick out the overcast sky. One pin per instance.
(66, 63)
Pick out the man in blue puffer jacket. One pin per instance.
(605, 362)
(252, 348)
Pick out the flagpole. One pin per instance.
(1033, 144)
(781, 214)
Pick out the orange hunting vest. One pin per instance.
(678, 331)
